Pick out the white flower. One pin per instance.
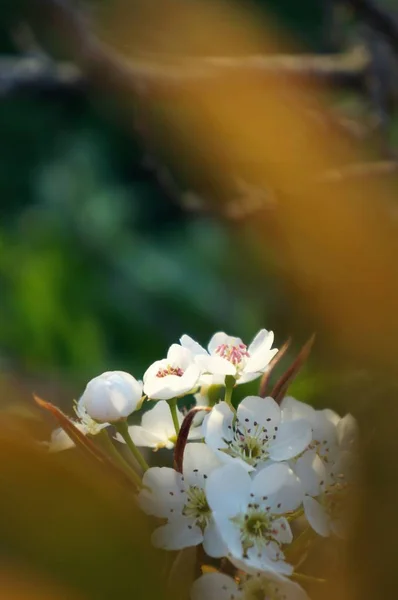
(157, 428)
(323, 423)
(60, 440)
(248, 513)
(181, 499)
(262, 586)
(255, 434)
(228, 355)
(324, 468)
(333, 443)
(173, 376)
(112, 396)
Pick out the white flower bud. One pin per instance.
(112, 396)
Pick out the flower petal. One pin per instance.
(217, 426)
(227, 490)
(293, 409)
(213, 543)
(316, 516)
(187, 342)
(292, 438)
(288, 496)
(158, 420)
(177, 534)
(215, 586)
(177, 356)
(254, 412)
(143, 437)
(215, 365)
(199, 462)
(281, 531)
(260, 351)
(271, 480)
(310, 470)
(163, 494)
(220, 338)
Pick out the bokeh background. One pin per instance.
(139, 202)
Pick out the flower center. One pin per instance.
(197, 507)
(256, 529)
(235, 353)
(169, 370)
(249, 443)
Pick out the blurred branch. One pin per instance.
(36, 73)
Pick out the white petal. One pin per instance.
(268, 558)
(213, 543)
(143, 437)
(199, 462)
(172, 386)
(163, 494)
(316, 516)
(288, 496)
(60, 440)
(271, 480)
(112, 396)
(178, 356)
(187, 342)
(230, 535)
(294, 409)
(287, 589)
(260, 351)
(310, 470)
(217, 426)
(259, 360)
(227, 489)
(215, 365)
(347, 432)
(221, 338)
(292, 438)
(215, 586)
(262, 341)
(153, 370)
(158, 420)
(255, 411)
(246, 377)
(281, 531)
(324, 429)
(179, 533)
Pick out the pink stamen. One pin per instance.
(234, 354)
(170, 371)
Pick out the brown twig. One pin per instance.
(263, 390)
(280, 388)
(183, 436)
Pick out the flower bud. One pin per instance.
(112, 396)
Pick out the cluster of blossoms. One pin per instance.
(246, 481)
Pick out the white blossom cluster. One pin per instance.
(252, 478)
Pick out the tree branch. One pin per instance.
(36, 73)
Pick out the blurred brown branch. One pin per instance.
(35, 73)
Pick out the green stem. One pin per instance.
(300, 543)
(118, 458)
(123, 429)
(174, 415)
(307, 578)
(229, 386)
(295, 515)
